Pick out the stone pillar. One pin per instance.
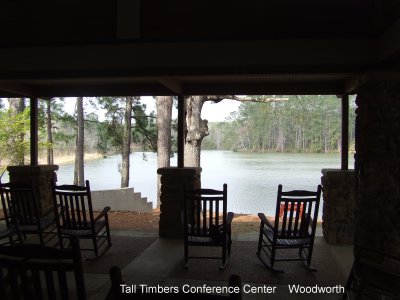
(377, 165)
(173, 181)
(338, 187)
(42, 176)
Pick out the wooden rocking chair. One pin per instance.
(206, 222)
(74, 216)
(9, 229)
(295, 229)
(21, 215)
(29, 271)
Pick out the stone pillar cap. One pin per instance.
(176, 170)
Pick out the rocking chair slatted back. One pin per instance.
(204, 210)
(21, 210)
(40, 272)
(20, 202)
(293, 228)
(295, 212)
(74, 216)
(76, 211)
(206, 221)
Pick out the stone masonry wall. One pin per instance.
(378, 167)
(338, 188)
(41, 176)
(173, 181)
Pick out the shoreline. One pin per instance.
(67, 159)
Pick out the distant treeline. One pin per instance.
(296, 124)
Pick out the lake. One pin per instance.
(252, 178)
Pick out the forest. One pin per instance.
(288, 124)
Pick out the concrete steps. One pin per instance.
(125, 199)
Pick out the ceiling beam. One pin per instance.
(190, 88)
(188, 58)
(172, 84)
(265, 88)
(350, 85)
(102, 89)
(16, 89)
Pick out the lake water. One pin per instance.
(252, 178)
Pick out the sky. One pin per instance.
(213, 112)
(218, 112)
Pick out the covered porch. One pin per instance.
(169, 49)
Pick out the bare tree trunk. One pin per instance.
(50, 154)
(17, 106)
(196, 130)
(164, 118)
(79, 178)
(126, 144)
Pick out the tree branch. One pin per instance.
(219, 98)
(146, 132)
(144, 116)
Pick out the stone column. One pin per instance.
(173, 181)
(42, 176)
(338, 187)
(377, 165)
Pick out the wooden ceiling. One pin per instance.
(157, 47)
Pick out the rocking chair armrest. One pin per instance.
(265, 220)
(103, 213)
(229, 218)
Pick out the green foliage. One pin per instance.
(103, 136)
(300, 124)
(112, 132)
(104, 139)
(60, 123)
(144, 127)
(13, 140)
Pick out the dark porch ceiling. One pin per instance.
(154, 47)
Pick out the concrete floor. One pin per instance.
(155, 263)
